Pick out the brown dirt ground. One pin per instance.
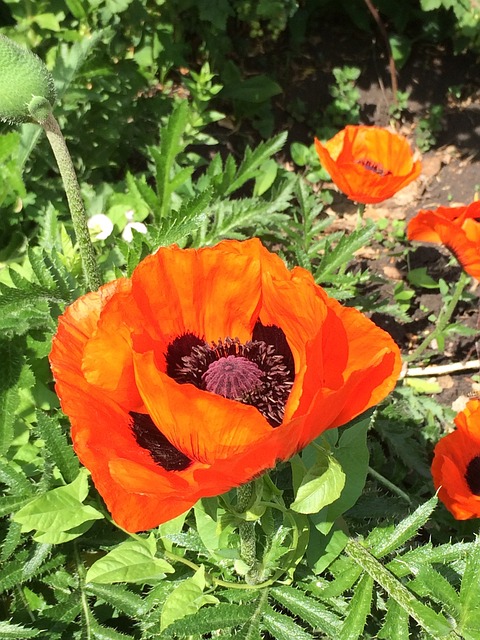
(450, 176)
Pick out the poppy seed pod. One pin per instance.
(27, 91)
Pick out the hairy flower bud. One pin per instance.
(27, 91)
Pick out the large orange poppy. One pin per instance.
(205, 368)
(456, 465)
(369, 164)
(458, 228)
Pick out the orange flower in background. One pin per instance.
(456, 465)
(458, 228)
(203, 370)
(369, 164)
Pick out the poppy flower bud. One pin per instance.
(27, 91)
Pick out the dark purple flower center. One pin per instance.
(374, 167)
(259, 372)
(472, 475)
(161, 450)
(232, 377)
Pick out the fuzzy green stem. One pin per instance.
(75, 201)
(246, 530)
(443, 318)
(389, 485)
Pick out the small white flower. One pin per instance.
(127, 234)
(100, 226)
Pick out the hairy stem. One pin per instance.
(389, 485)
(75, 201)
(246, 530)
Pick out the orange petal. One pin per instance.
(204, 426)
(212, 292)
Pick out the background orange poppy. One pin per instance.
(369, 164)
(458, 228)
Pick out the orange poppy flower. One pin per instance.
(205, 368)
(458, 228)
(456, 465)
(369, 164)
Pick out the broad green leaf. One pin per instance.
(351, 452)
(321, 486)
(323, 549)
(266, 177)
(186, 599)
(131, 561)
(300, 153)
(59, 510)
(52, 536)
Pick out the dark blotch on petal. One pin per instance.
(271, 334)
(472, 475)
(177, 349)
(161, 450)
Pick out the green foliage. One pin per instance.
(348, 545)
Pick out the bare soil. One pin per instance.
(433, 76)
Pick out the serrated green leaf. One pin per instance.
(429, 582)
(209, 619)
(342, 253)
(358, 610)
(308, 609)
(130, 561)
(469, 623)
(50, 431)
(395, 624)
(322, 484)
(118, 597)
(164, 156)
(186, 599)
(253, 160)
(17, 632)
(434, 623)
(100, 632)
(14, 478)
(405, 529)
(282, 627)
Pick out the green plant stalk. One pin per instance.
(443, 319)
(389, 485)
(246, 530)
(434, 623)
(75, 201)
